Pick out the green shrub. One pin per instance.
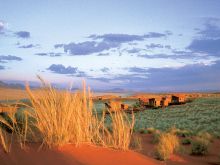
(200, 146)
(217, 136)
(184, 133)
(137, 105)
(180, 132)
(151, 130)
(186, 141)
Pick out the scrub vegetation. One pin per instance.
(201, 115)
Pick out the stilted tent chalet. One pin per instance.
(165, 101)
(154, 102)
(178, 99)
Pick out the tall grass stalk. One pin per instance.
(21, 127)
(63, 117)
(122, 130)
(4, 139)
(13, 129)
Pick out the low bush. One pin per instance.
(180, 132)
(186, 141)
(137, 105)
(184, 133)
(168, 144)
(205, 135)
(200, 146)
(151, 130)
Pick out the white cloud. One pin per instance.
(2, 25)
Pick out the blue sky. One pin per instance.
(151, 45)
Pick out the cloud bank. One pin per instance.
(6, 58)
(23, 34)
(106, 42)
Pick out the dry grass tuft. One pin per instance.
(21, 127)
(168, 143)
(136, 143)
(12, 128)
(4, 140)
(121, 131)
(63, 117)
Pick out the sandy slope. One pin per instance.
(70, 155)
(92, 155)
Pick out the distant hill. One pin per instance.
(33, 85)
(117, 90)
(11, 85)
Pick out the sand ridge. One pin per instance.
(71, 155)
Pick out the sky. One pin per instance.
(144, 45)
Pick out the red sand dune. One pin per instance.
(70, 155)
(92, 155)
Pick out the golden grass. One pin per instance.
(168, 143)
(136, 143)
(4, 140)
(7, 123)
(63, 117)
(121, 130)
(19, 129)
